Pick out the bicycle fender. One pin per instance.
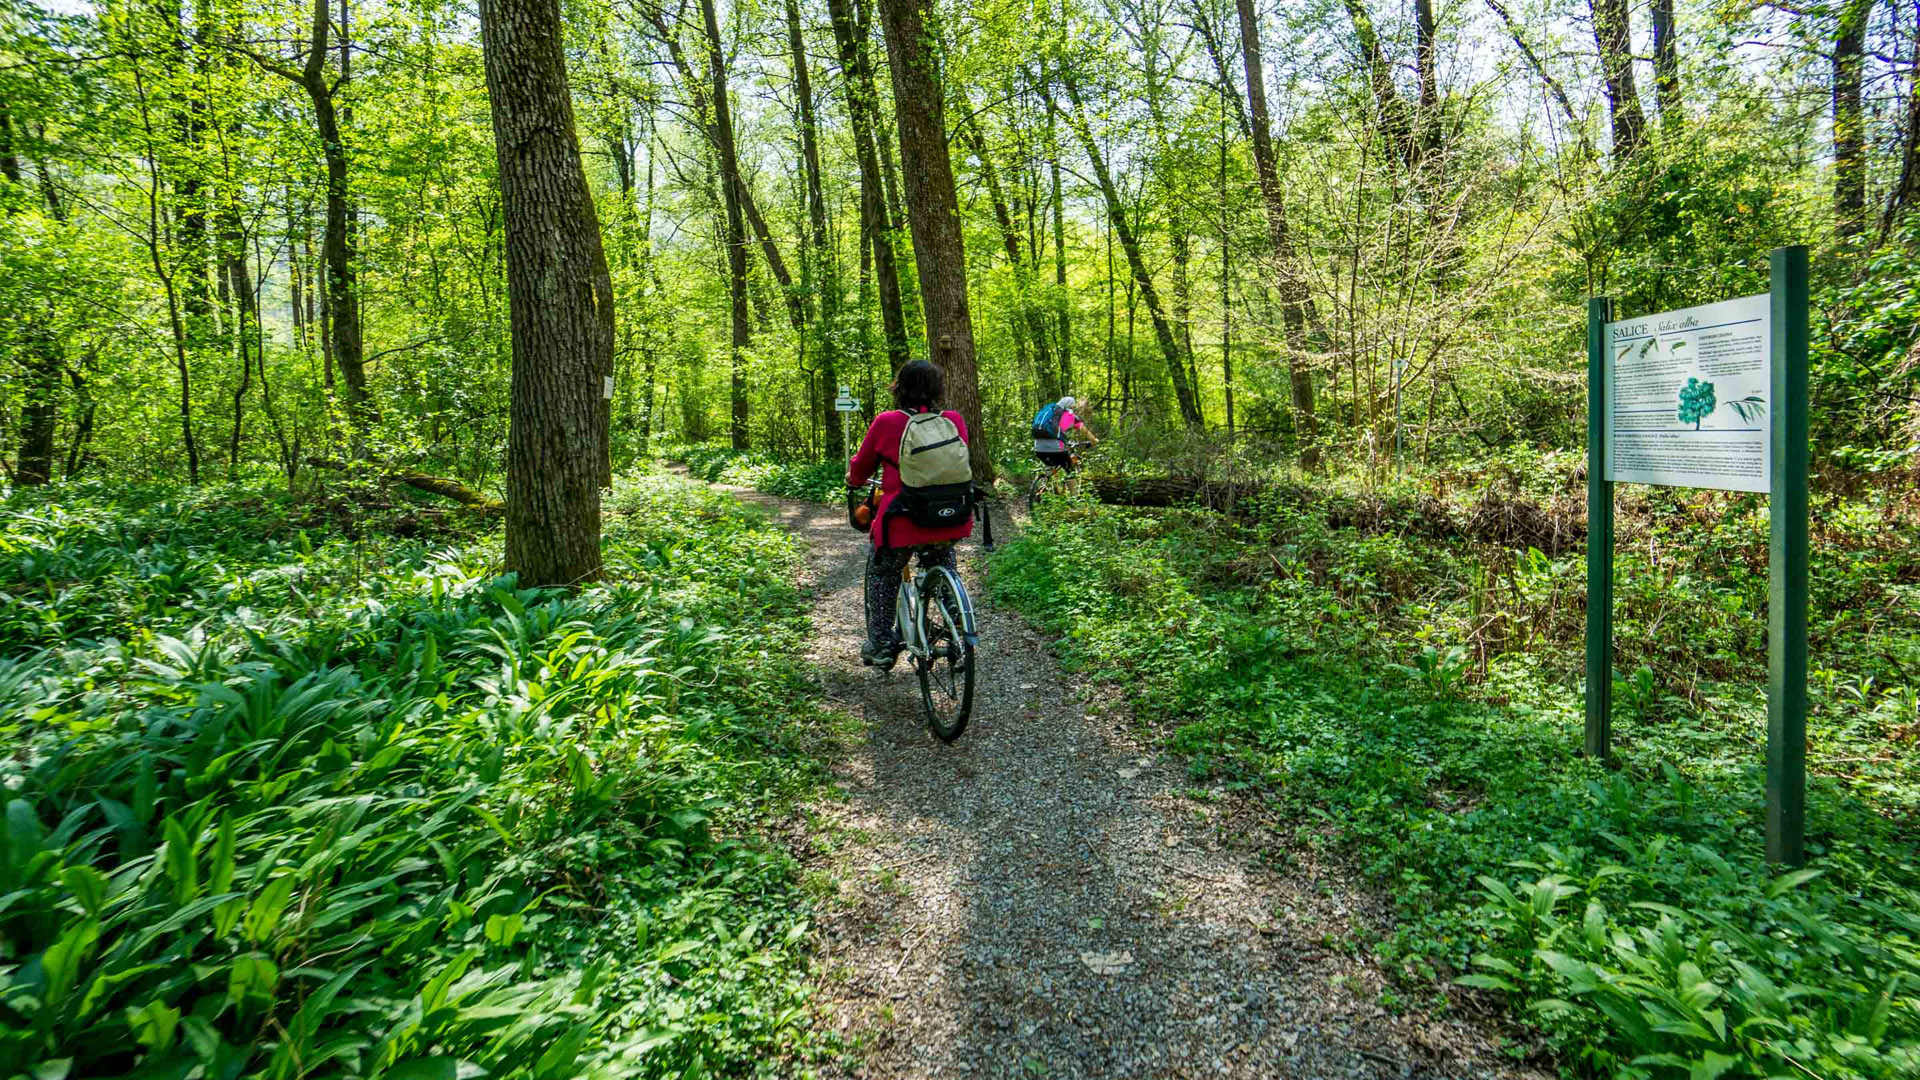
(966, 604)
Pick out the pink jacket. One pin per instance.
(877, 451)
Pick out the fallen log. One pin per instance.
(443, 486)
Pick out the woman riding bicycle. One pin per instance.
(916, 389)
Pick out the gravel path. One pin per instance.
(1042, 899)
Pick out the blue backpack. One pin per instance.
(1046, 422)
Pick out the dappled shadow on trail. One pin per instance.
(1042, 900)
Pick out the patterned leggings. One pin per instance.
(883, 582)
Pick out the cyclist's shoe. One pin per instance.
(877, 655)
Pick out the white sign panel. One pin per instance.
(847, 404)
(1687, 396)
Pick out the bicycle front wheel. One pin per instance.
(1036, 489)
(946, 672)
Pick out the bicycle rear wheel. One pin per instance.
(1036, 489)
(946, 672)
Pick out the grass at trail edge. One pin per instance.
(1628, 914)
(283, 802)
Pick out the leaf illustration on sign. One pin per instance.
(1652, 344)
(1696, 402)
(1750, 408)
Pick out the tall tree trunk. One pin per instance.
(1031, 320)
(732, 186)
(1130, 246)
(862, 108)
(239, 282)
(1666, 62)
(341, 299)
(1906, 189)
(1612, 33)
(154, 240)
(1061, 300)
(933, 211)
(1425, 54)
(1396, 120)
(39, 411)
(826, 283)
(1849, 134)
(697, 93)
(1296, 305)
(561, 299)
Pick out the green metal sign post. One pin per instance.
(1636, 364)
(1787, 564)
(1599, 539)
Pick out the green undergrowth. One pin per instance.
(282, 802)
(1416, 704)
(819, 481)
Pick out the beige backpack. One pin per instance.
(936, 479)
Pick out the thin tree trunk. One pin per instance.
(1031, 319)
(1906, 190)
(1061, 299)
(862, 109)
(1849, 133)
(933, 211)
(736, 231)
(1130, 246)
(1666, 62)
(175, 322)
(825, 278)
(561, 299)
(39, 412)
(1395, 120)
(1296, 306)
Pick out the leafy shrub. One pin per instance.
(1650, 939)
(292, 804)
(819, 481)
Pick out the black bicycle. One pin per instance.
(1053, 479)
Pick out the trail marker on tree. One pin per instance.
(1715, 397)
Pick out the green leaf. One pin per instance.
(264, 916)
(1486, 982)
(183, 865)
(154, 1025)
(1787, 882)
(89, 886)
(252, 976)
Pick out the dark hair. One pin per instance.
(918, 384)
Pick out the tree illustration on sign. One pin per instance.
(1696, 402)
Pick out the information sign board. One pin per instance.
(1687, 397)
(846, 404)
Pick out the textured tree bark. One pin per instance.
(732, 186)
(1296, 306)
(824, 276)
(561, 299)
(1611, 34)
(1666, 62)
(862, 107)
(933, 212)
(1849, 133)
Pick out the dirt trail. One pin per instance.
(1041, 899)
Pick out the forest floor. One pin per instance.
(1048, 897)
